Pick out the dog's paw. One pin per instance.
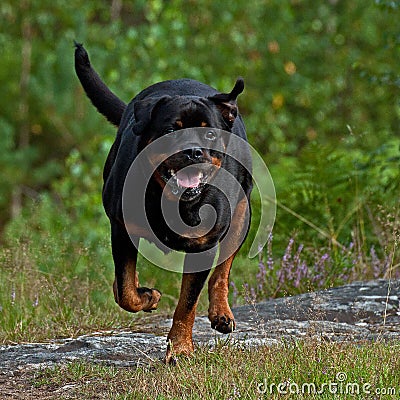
(149, 298)
(137, 299)
(223, 323)
(221, 317)
(176, 350)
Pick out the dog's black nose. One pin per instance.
(194, 153)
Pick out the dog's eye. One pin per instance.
(210, 135)
(169, 130)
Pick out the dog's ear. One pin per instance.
(226, 102)
(143, 111)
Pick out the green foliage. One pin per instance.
(303, 86)
(336, 187)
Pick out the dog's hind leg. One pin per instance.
(180, 336)
(127, 292)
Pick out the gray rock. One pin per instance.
(358, 311)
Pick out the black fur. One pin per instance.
(160, 108)
(106, 102)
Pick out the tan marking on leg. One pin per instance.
(219, 312)
(135, 230)
(180, 336)
(133, 298)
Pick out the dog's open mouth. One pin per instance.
(189, 181)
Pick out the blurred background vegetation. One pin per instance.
(321, 105)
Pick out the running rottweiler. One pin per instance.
(186, 179)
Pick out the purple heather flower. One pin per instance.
(288, 252)
(270, 263)
(270, 260)
(280, 275)
(301, 272)
(262, 273)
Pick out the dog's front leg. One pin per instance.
(127, 292)
(180, 336)
(219, 312)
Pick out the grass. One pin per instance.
(290, 370)
(67, 299)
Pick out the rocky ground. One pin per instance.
(359, 311)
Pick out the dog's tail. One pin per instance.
(106, 102)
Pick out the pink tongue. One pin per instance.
(188, 179)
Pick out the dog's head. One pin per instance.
(186, 164)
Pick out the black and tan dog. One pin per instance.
(158, 110)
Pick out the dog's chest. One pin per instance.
(187, 228)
